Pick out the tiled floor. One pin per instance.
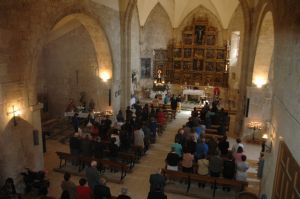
(137, 181)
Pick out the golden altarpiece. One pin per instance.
(197, 59)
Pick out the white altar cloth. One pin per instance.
(200, 93)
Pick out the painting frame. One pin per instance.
(145, 68)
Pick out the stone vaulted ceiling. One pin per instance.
(179, 9)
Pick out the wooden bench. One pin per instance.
(211, 131)
(211, 136)
(124, 157)
(138, 151)
(176, 175)
(240, 185)
(215, 181)
(114, 165)
(200, 179)
(83, 161)
(66, 157)
(128, 158)
(106, 164)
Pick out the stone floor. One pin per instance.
(137, 181)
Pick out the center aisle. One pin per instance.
(137, 182)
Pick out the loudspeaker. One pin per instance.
(247, 107)
(35, 137)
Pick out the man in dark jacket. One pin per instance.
(173, 106)
(157, 181)
(75, 144)
(102, 191)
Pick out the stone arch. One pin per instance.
(126, 54)
(157, 33)
(101, 47)
(98, 37)
(264, 50)
(158, 4)
(135, 48)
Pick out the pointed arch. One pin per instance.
(264, 50)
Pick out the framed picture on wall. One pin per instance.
(145, 68)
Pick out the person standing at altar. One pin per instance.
(178, 103)
(75, 122)
(166, 99)
(129, 114)
(174, 106)
(71, 106)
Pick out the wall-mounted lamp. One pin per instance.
(104, 76)
(259, 82)
(266, 145)
(15, 113)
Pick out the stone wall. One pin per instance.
(157, 33)
(236, 24)
(135, 60)
(70, 65)
(285, 122)
(25, 26)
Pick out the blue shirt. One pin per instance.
(201, 150)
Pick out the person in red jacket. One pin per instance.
(83, 191)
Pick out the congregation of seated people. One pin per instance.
(212, 116)
(139, 127)
(191, 152)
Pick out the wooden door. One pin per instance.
(287, 177)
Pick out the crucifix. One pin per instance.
(13, 112)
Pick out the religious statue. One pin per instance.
(133, 82)
(199, 33)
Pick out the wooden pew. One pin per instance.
(240, 185)
(215, 181)
(124, 157)
(210, 136)
(114, 165)
(176, 175)
(104, 163)
(66, 157)
(129, 158)
(138, 151)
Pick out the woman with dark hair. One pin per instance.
(229, 168)
(68, 187)
(238, 155)
(187, 161)
(83, 191)
(241, 169)
(223, 145)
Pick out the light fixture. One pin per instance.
(104, 76)
(15, 113)
(266, 145)
(158, 82)
(255, 126)
(259, 82)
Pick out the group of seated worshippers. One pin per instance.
(212, 116)
(92, 185)
(192, 153)
(136, 130)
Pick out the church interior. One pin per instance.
(100, 69)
